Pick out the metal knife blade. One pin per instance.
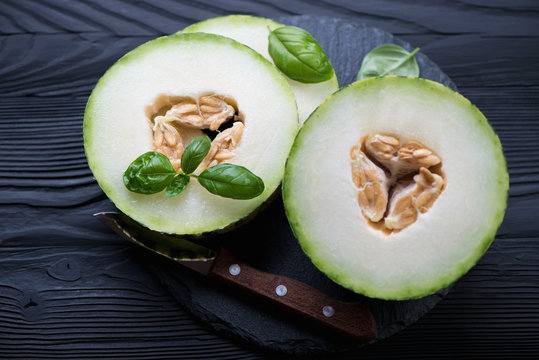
(350, 319)
(185, 252)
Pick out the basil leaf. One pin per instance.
(194, 153)
(297, 54)
(231, 181)
(150, 173)
(177, 185)
(389, 59)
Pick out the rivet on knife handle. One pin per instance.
(350, 319)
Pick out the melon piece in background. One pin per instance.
(253, 31)
(395, 187)
(180, 76)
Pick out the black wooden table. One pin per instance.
(70, 289)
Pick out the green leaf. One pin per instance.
(297, 54)
(231, 181)
(150, 173)
(177, 185)
(194, 153)
(389, 59)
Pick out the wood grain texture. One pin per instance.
(70, 289)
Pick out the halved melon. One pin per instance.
(395, 187)
(253, 31)
(183, 86)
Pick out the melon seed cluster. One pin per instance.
(185, 115)
(395, 183)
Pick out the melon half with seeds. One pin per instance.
(172, 89)
(395, 187)
(253, 31)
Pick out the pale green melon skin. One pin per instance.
(308, 95)
(350, 281)
(166, 225)
(233, 20)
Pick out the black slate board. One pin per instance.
(268, 244)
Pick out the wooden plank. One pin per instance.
(67, 315)
(71, 64)
(62, 50)
(120, 17)
(98, 313)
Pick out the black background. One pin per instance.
(69, 288)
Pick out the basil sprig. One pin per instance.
(389, 59)
(195, 152)
(152, 172)
(177, 185)
(231, 181)
(297, 54)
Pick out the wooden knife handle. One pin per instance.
(350, 319)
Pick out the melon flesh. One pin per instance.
(253, 31)
(444, 243)
(117, 129)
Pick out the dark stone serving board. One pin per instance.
(268, 244)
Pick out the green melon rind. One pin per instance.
(237, 19)
(405, 293)
(155, 223)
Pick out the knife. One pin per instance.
(351, 319)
